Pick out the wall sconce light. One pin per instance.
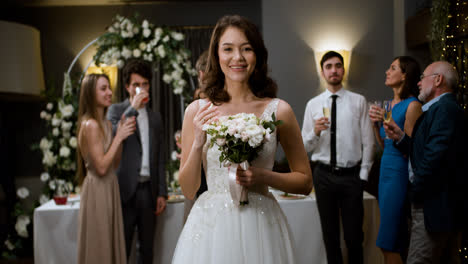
(111, 71)
(346, 61)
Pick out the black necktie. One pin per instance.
(333, 132)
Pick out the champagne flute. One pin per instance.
(326, 111)
(388, 113)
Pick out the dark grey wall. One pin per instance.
(295, 29)
(66, 30)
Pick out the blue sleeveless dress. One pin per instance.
(393, 181)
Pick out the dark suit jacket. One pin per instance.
(130, 164)
(437, 151)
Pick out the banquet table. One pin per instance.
(55, 231)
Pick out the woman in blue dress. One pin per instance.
(402, 76)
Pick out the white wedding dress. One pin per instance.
(218, 231)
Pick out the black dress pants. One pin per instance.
(340, 192)
(139, 212)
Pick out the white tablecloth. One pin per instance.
(55, 231)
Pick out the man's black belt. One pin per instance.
(338, 170)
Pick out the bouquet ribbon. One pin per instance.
(238, 192)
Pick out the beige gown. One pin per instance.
(100, 227)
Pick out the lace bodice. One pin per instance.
(217, 174)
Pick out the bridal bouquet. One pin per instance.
(240, 138)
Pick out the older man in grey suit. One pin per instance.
(141, 172)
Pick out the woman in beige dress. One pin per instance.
(100, 227)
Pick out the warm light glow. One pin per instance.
(111, 71)
(346, 61)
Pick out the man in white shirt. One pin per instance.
(342, 148)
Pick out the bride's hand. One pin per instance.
(205, 115)
(249, 177)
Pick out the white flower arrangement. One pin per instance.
(22, 192)
(57, 148)
(21, 225)
(240, 139)
(126, 38)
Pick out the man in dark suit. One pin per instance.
(437, 168)
(141, 172)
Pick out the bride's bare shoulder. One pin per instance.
(284, 108)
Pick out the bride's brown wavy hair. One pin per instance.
(87, 110)
(260, 83)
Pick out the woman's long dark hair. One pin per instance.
(213, 80)
(410, 67)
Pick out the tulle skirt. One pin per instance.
(218, 231)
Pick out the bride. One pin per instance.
(217, 229)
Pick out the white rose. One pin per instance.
(135, 30)
(145, 24)
(52, 185)
(66, 110)
(56, 120)
(55, 132)
(166, 38)
(43, 114)
(45, 144)
(9, 245)
(181, 82)
(49, 159)
(161, 51)
(167, 78)
(45, 176)
(220, 141)
(48, 117)
(177, 36)
(116, 25)
(148, 57)
(136, 53)
(64, 151)
(116, 54)
(22, 192)
(255, 135)
(126, 53)
(142, 46)
(176, 75)
(158, 32)
(174, 155)
(129, 25)
(146, 32)
(120, 64)
(111, 29)
(176, 175)
(21, 225)
(178, 90)
(49, 106)
(43, 199)
(66, 126)
(73, 142)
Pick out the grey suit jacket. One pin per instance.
(129, 168)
